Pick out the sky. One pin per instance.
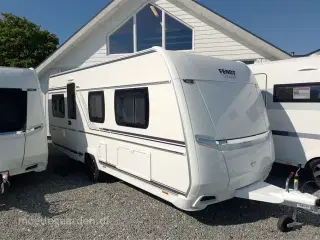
(292, 25)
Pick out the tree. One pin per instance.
(23, 43)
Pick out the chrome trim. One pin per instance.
(38, 127)
(227, 145)
(207, 141)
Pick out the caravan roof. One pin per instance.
(17, 77)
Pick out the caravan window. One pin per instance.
(298, 92)
(96, 107)
(13, 109)
(71, 97)
(132, 107)
(58, 109)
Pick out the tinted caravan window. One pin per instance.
(71, 97)
(298, 92)
(58, 109)
(132, 107)
(96, 106)
(13, 110)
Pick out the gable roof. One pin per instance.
(316, 52)
(207, 15)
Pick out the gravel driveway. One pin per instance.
(62, 204)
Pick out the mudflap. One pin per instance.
(265, 192)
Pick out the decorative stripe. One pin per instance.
(71, 129)
(156, 184)
(69, 149)
(57, 88)
(127, 141)
(132, 142)
(296, 134)
(145, 137)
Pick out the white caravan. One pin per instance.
(190, 129)
(291, 89)
(23, 139)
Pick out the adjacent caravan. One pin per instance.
(291, 89)
(190, 129)
(23, 139)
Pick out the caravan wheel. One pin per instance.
(283, 223)
(92, 169)
(315, 169)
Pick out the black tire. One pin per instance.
(283, 222)
(92, 169)
(315, 170)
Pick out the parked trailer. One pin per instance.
(23, 139)
(291, 89)
(190, 129)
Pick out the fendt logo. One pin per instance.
(228, 73)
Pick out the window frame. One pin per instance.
(293, 85)
(97, 119)
(145, 90)
(63, 114)
(134, 16)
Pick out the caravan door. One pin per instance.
(71, 132)
(13, 118)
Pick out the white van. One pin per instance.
(291, 89)
(190, 129)
(23, 139)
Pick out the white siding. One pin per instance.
(207, 40)
(93, 49)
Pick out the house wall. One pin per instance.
(207, 40)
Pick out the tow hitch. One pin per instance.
(4, 182)
(265, 192)
(287, 223)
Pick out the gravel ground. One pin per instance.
(62, 204)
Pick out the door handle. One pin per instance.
(69, 122)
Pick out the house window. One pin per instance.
(121, 41)
(178, 35)
(96, 106)
(132, 107)
(13, 110)
(71, 99)
(58, 109)
(298, 92)
(150, 27)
